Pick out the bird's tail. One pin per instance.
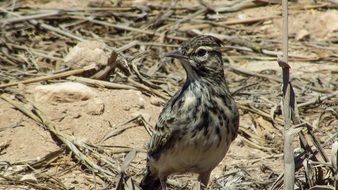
(150, 182)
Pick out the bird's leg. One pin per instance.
(203, 178)
(163, 181)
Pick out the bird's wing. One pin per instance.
(168, 129)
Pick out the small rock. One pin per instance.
(141, 103)
(302, 34)
(242, 16)
(87, 53)
(95, 107)
(126, 107)
(29, 178)
(156, 101)
(63, 92)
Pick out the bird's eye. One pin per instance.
(201, 52)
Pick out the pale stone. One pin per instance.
(302, 34)
(63, 92)
(141, 102)
(87, 53)
(95, 107)
(29, 178)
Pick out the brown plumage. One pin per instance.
(198, 124)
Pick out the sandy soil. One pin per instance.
(29, 141)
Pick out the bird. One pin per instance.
(197, 125)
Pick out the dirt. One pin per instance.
(29, 141)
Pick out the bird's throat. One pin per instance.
(191, 73)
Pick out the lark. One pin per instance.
(198, 124)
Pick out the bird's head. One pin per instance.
(201, 57)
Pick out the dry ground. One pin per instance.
(255, 158)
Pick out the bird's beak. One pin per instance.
(176, 54)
